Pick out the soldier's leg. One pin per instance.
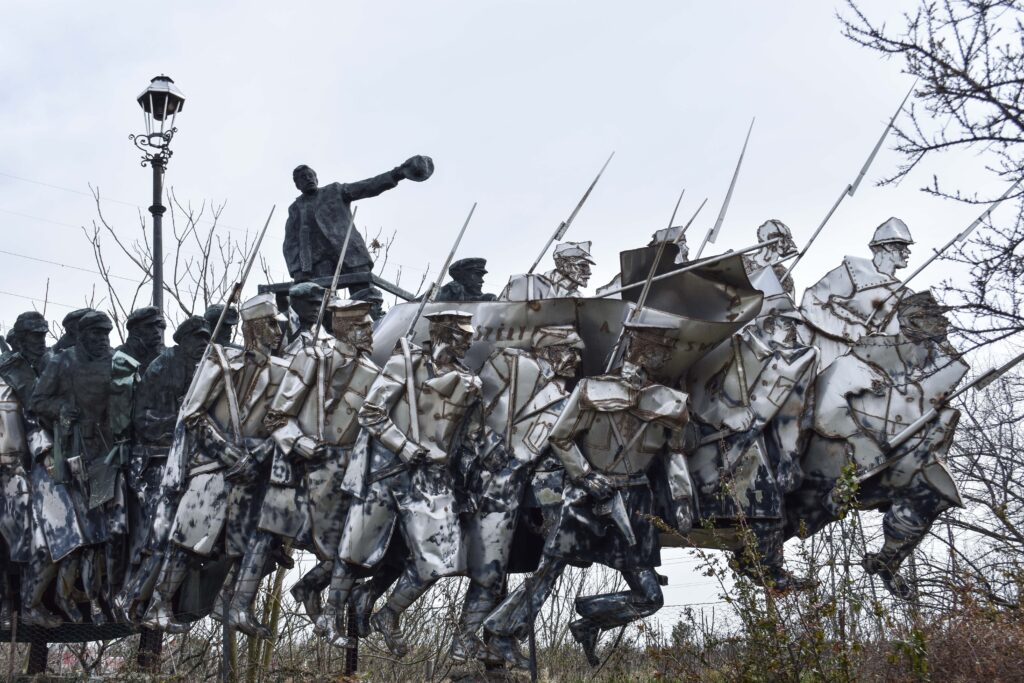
(387, 621)
(250, 574)
(510, 622)
(764, 562)
(602, 612)
(67, 592)
(160, 614)
(93, 571)
(307, 590)
(905, 523)
(34, 582)
(329, 622)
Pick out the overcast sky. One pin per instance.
(519, 103)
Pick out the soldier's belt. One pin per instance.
(621, 481)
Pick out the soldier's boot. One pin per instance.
(307, 590)
(507, 649)
(600, 612)
(160, 614)
(224, 597)
(904, 525)
(131, 601)
(467, 645)
(388, 620)
(65, 597)
(250, 574)
(33, 584)
(366, 595)
(768, 568)
(511, 619)
(329, 623)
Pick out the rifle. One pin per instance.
(563, 227)
(978, 383)
(430, 293)
(712, 234)
(938, 252)
(692, 265)
(850, 189)
(410, 387)
(334, 279)
(647, 286)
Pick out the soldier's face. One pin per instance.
(151, 334)
(576, 269)
(193, 346)
(472, 279)
(358, 334)
(785, 246)
(305, 180)
(459, 342)
(95, 340)
(306, 309)
(32, 345)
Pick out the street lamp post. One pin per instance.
(160, 102)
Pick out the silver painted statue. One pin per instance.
(863, 401)
(612, 431)
(854, 299)
(424, 410)
(773, 255)
(523, 393)
(571, 274)
(229, 457)
(313, 420)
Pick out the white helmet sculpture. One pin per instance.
(893, 231)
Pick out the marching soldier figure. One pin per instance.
(227, 327)
(773, 255)
(610, 433)
(70, 325)
(21, 440)
(571, 274)
(858, 297)
(423, 408)
(313, 417)
(376, 299)
(158, 400)
(72, 398)
(223, 415)
(145, 341)
(467, 282)
(523, 394)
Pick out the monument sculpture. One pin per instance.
(467, 282)
(319, 218)
(571, 274)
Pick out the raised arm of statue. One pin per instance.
(417, 168)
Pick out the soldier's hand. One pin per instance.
(232, 454)
(417, 168)
(242, 471)
(413, 453)
(597, 485)
(321, 451)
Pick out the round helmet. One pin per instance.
(892, 231)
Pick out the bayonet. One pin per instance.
(642, 299)
(850, 189)
(563, 227)
(712, 234)
(430, 293)
(682, 233)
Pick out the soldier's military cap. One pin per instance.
(465, 264)
(574, 250)
(212, 315)
(191, 326)
(892, 231)
(369, 294)
(348, 309)
(454, 320)
(658, 333)
(94, 318)
(556, 335)
(142, 316)
(72, 318)
(260, 306)
(306, 290)
(31, 321)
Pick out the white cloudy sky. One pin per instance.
(518, 102)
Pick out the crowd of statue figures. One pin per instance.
(517, 433)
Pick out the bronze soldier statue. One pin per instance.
(70, 325)
(227, 328)
(304, 300)
(79, 509)
(467, 282)
(21, 439)
(319, 218)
